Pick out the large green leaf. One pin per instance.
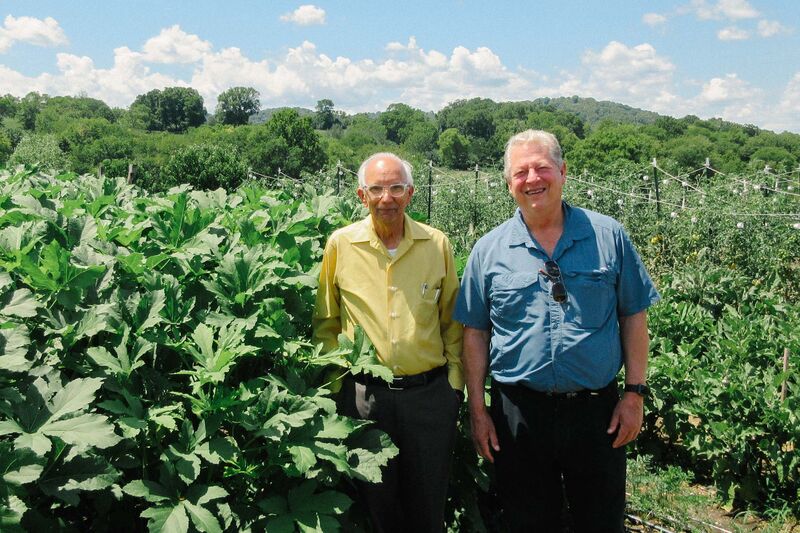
(67, 479)
(149, 490)
(14, 346)
(167, 519)
(370, 451)
(214, 360)
(121, 363)
(357, 355)
(202, 518)
(20, 303)
(61, 417)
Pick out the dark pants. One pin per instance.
(421, 421)
(556, 446)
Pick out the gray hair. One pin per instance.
(405, 165)
(537, 137)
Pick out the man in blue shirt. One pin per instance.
(554, 302)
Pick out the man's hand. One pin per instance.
(484, 437)
(626, 419)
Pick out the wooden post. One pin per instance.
(475, 201)
(100, 170)
(130, 172)
(785, 369)
(655, 184)
(798, 177)
(430, 189)
(338, 176)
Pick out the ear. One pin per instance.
(362, 196)
(563, 171)
(410, 192)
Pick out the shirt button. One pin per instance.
(394, 315)
(393, 288)
(394, 341)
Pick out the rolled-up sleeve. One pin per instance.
(635, 289)
(451, 330)
(472, 305)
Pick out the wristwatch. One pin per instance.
(639, 388)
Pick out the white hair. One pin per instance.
(537, 137)
(405, 165)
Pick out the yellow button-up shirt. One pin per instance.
(404, 303)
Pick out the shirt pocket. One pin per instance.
(514, 297)
(426, 309)
(591, 297)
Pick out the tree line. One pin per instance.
(171, 138)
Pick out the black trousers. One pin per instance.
(551, 447)
(421, 421)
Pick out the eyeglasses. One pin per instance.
(396, 190)
(558, 291)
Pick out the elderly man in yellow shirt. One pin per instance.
(396, 278)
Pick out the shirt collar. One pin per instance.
(365, 232)
(575, 229)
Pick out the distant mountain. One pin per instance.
(592, 111)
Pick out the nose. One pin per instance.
(532, 175)
(386, 198)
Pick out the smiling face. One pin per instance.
(535, 181)
(387, 210)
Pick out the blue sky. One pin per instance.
(735, 59)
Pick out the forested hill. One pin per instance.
(592, 112)
(169, 136)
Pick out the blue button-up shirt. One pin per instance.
(536, 341)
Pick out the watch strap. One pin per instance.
(639, 388)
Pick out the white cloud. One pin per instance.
(305, 15)
(731, 98)
(721, 10)
(771, 28)
(654, 19)
(173, 45)
(732, 33)
(31, 30)
(728, 89)
(635, 75)
(786, 115)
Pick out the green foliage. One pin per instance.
(235, 105)
(155, 368)
(173, 109)
(399, 120)
(39, 150)
(454, 149)
(8, 105)
(205, 166)
(422, 140)
(294, 146)
(473, 118)
(324, 115)
(5, 147)
(29, 107)
(611, 143)
(58, 111)
(94, 141)
(716, 370)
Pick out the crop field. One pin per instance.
(156, 369)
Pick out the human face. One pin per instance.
(536, 181)
(386, 210)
